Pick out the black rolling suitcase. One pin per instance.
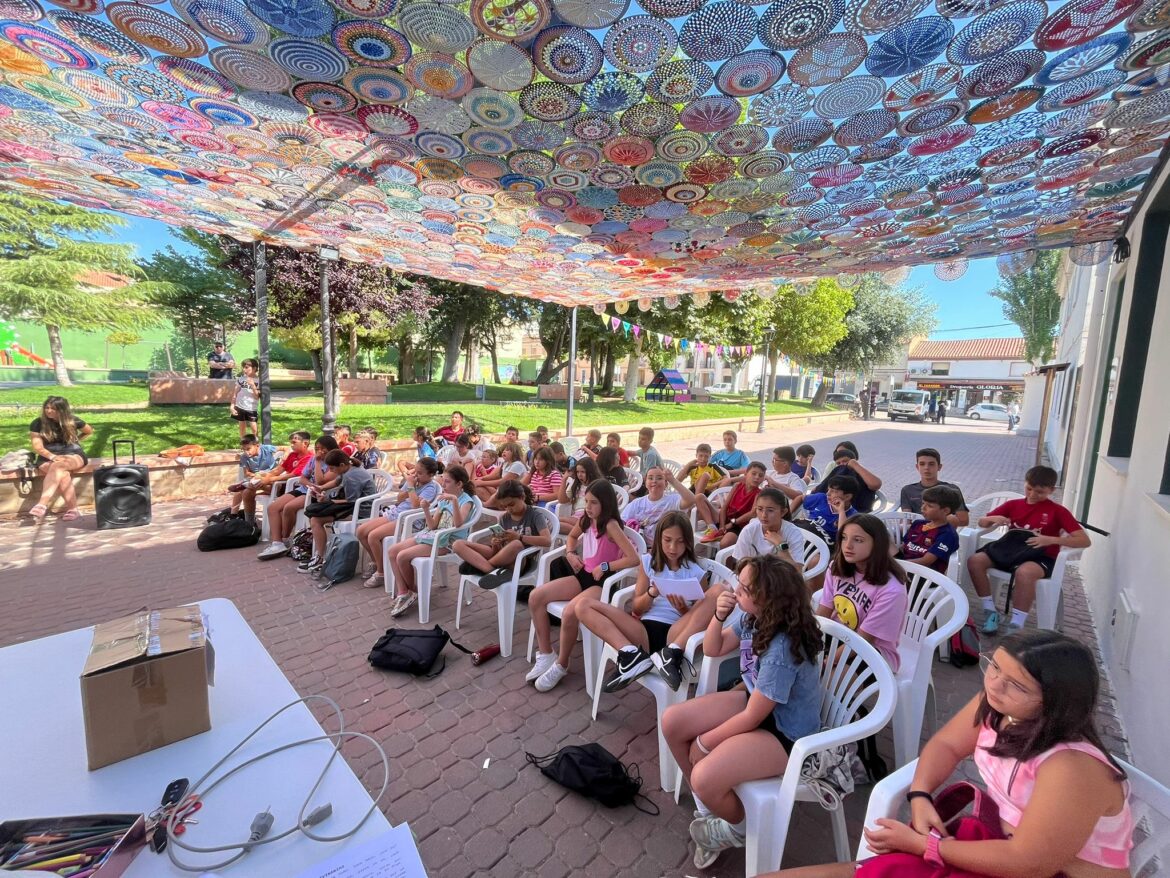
(121, 491)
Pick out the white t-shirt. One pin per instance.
(788, 480)
(661, 609)
(751, 541)
(516, 468)
(647, 513)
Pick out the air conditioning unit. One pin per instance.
(1124, 625)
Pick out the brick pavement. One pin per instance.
(506, 819)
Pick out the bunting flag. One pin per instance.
(614, 324)
(626, 327)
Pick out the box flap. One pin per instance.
(145, 634)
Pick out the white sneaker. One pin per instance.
(374, 580)
(402, 603)
(712, 835)
(544, 661)
(274, 550)
(551, 677)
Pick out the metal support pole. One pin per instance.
(592, 359)
(261, 290)
(763, 382)
(329, 416)
(572, 370)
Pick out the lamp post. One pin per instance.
(572, 370)
(261, 290)
(763, 382)
(329, 415)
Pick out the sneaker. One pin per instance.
(712, 535)
(713, 835)
(544, 661)
(237, 487)
(668, 661)
(274, 550)
(309, 565)
(991, 623)
(374, 580)
(551, 677)
(402, 603)
(496, 578)
(631, 664)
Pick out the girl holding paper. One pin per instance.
(663, 620)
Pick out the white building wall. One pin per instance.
(971, 368)
(1135, 558)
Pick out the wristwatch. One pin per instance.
(605, 567)
(782, 547)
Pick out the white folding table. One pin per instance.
(43, 769)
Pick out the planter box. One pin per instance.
(362, 391)
(191, 391)
(558, 392)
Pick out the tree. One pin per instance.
(123, 340)
(46, 251)
(806, 324)
(199, 292)
(883, 318)
(1031, 301)
(466, 316)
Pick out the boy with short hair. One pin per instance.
(589, 448)
(781, 476)
(512, 434)
(614, 440)
(730, 458)
(804, 465)
(364, 451)
(543, 431)
(533, 444)
(705, 475)
(928, 462)
(738, 509)
(1055, 527)
(291, 467)
(933, 540)
(342, 433)
(828, 512)
(255, 458)
(649, 455)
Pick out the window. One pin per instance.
(940, 368)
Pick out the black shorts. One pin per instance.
(560, 569)
(657, 634)
(733, 528)
(243, 415)
(329, 509)
(769, 726)
(78, 453)
(1046, 563)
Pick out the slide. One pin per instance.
(40, 361)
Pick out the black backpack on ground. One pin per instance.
(595, 773)
(413, 651)
(234, 533)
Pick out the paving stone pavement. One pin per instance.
(503, 819)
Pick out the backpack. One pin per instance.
(235, 533)
(301, 545)
(965, 645)
(1012, 549)
(14, 461)
(414, 652)
(224, 514)
(341, 558)
(595, 773)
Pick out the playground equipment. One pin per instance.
(10, 349)
(668, 386)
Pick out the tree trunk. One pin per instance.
(610, 364)
(451, 350)
(773, 363)
(547, 369)
(353, 351)
(194, 347)
(405, 360)
(57, 356)
(167, 351)
(318, 375)
(631, 389)
(494, 354)
(818, 401)
(336, 388)
(108, 354)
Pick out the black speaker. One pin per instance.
(121, 492)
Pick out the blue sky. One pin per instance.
(965, 310)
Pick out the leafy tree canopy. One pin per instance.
(1031, 301)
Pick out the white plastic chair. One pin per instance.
(664, 696)
(363, 510)
(424, 568)
(589, 643)
(571, 444)
(1149, 800)
(505, 594)
(716, 498)
(814, 547)
(444, 454)
(633, 479)
(403, 530)
(1048, 590)
(673, 465)
(898, 523)
(623, 497)
(858, 678)
(263, 500)
(881, 503)
(938, 608)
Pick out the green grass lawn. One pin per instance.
(79, 395)
(163, 427)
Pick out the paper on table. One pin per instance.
(393, 855)
(687, 589)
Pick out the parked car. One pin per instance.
(721, 387)
(988, 411)
(882, 405)
(909, 404)
(845, 399)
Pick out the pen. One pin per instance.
(57, 863)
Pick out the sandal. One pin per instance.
(71, 515)
(39, 511)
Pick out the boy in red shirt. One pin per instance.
(737, 511)
(1055, 527)
(290, 467)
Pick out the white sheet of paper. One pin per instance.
(687, 589)
(393, 855)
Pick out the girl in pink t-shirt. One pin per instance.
(866, 589)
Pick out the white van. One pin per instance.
(909, 404)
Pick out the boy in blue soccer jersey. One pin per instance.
(931, 541)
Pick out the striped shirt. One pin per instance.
(545, 484)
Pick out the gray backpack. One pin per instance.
(341, 560)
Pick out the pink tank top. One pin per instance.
(597, 549)
(1112, 837)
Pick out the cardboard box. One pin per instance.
(145, 683)
(125, 849)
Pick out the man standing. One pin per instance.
(220, 362)
(942, 410)
(1013, 415)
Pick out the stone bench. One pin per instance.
(558, 392)
(174, 390)
(362, 391)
